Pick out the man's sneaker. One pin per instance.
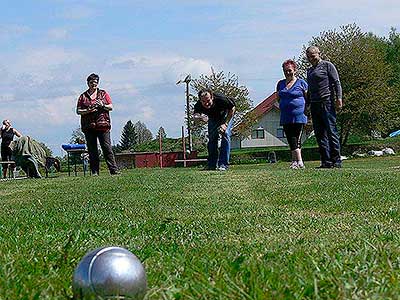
(294, 165)
(222, 168)
(325, 166)
(95, 174)
(300, 165)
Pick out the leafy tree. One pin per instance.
(225, 84)
(364, 75)
(77, 137)
(161, 133)
(143, 134)
(393, 58)
(393, 55)
(128, 137)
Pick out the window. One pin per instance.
(258, 134)
(280, 133)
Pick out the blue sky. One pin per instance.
(141, 49)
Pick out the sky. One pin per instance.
(140, 49)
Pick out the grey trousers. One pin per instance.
(105, 143)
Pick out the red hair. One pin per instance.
(289, 62)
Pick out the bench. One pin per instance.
(6, 162)
(184, 161)
(191, 160)
(77, 152)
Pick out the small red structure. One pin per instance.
(151, 159)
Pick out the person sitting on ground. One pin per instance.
(29, 155)
(292, 93)
(7, 133)
(218, 111)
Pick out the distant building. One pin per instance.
(267, 131)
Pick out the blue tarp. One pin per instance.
(73, 146)
(396, 133)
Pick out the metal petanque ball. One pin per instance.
(109, 273)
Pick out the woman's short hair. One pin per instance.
(289, 62)
(93, 77)
(6, 121)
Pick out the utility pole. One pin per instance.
(187, 80)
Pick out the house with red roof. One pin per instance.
(266, 130)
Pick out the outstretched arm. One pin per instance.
(17, 133)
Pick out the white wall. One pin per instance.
(270, 123)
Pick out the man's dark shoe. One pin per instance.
(337, 165)
(325, 166)
(207, 168)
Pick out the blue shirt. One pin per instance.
(292, 101)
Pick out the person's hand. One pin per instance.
(307, 111)
(339, 104)
(200, 117)
(91, 109)
(223, 128)
(99, 104)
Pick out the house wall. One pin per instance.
(270, 123)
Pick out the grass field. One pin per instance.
(253, 232)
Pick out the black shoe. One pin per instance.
(325, 166)
(209, 168)
(337, 165)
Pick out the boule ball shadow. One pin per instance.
(109, 273)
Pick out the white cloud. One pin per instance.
(6, 97)
(156, 68)
(78, 12)
(13, 31)
(184, 66)
(58, 33)
(147, 113)
(38, 65)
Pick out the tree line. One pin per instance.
(132, 136)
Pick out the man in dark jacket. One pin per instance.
(324, 93)
(218, 111)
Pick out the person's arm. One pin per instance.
(84, 111)
(334, 76)
(107, 104)
(17, 133)
(277, 92)
(198, 115)
(229, 117)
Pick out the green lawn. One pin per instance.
(253, 232)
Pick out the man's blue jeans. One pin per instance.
(324, 123)
(218, 158)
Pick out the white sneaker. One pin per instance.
(300, 165)
(222, 168)
(294, 165)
